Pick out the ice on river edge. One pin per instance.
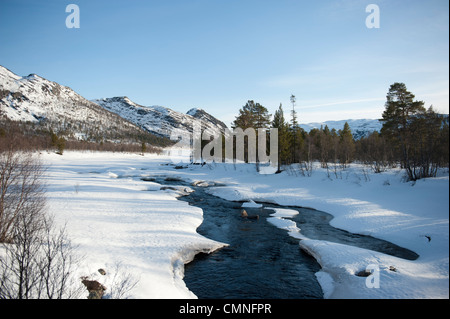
(106, 207)
(279, 219)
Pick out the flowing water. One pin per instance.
(263, 261)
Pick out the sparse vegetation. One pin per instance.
(37, 259)
(36, 136)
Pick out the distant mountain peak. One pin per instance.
(359, 127)
(156, 119)
(194, 111)
(202, 115)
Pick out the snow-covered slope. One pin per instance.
(206, 117)
(34, 99)
(360, 128)
(158, 119)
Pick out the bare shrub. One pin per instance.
(116, 282)
(36, 259)
(21, 194)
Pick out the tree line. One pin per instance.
(28, 136)
(412, 136)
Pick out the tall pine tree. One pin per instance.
(284, 138)
(400, 113)
(347, 145)
(295, 132)
(252, 115)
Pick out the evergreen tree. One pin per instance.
(295, 132)
(284, 141)
(334, 149)
(294, 122)
(443, 144)
(425, 149)
(400, 113)
(325, 146)
(57, 141)
(347, 145)
(252, 115)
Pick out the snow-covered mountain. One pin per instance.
(37, 100)
(53, 106)
(34, 99)
(159, 119)
(360, 128)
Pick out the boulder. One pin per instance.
(244, 214)
(96, 289)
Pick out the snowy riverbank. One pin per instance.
(115, 217)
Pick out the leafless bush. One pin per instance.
(22, 193)
(115, 282)
(36, 259)
(120, 283)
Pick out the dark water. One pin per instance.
(263, 261)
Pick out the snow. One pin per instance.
(33, 98)
(411, 279)
(251, 204)
(279, 219)
(114, 216)
(284, 213)
(158, 119)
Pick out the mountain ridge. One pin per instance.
(33, 98)
(54, 107)
(360, 127)
(37, 100)
(157, 119)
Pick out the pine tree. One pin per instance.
(401, 111)
(400, 107)
(347, 145)
(252, 115)
(57, 141)
(424, 150)
(294, 131)
(284, 141)
(325, 146)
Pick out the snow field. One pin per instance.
(114, 216)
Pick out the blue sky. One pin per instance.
(217, 54)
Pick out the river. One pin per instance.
(263, 261)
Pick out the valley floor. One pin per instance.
(115, 217)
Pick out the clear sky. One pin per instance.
(217, 54)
